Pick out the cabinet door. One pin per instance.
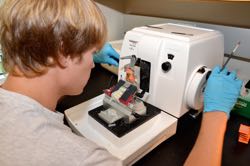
(224, 12)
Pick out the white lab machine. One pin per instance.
(172, 62)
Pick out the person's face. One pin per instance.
(78, 72)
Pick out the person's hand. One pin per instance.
(222, 91)
(107, 55)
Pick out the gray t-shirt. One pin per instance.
(30, 134)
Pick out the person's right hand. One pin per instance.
(222, 91)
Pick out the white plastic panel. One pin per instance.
(131, 146)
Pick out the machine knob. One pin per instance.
(166, 66)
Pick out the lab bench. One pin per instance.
(174, 150)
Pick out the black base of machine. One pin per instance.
(120, 128)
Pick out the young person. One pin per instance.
(48, 51)
(48, 48)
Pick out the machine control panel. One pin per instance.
(166, 66)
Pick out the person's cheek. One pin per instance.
(93, 65)
(88, 62)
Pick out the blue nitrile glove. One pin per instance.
(107, 55)
(222, 91)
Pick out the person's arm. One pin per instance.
(208, 147)
(221, 93)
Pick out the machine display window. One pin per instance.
(145, 68)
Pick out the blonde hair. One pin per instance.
(32, 32)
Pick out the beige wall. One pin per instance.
(1, 1)
(115, 22)
(229, 13)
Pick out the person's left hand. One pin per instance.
(107, 55)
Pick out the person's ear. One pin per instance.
(63, 61)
